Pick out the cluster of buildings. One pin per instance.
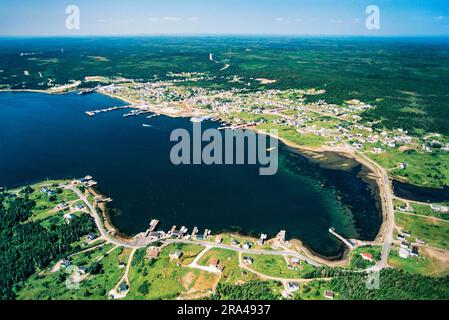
(406, 249)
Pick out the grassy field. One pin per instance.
(358, 263)
(424, 169)
(423, 264)
(231, 272)
(163, 278)
(434, 232)
(277, 266)
(313, 291)
(53, 284)
(426, 210)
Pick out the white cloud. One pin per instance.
(279, 19)
(440, 18)
(192, 19)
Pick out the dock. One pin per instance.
(347, 243)
(95, 112)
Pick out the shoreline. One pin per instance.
(315, 154)
(373, 177)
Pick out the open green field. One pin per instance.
(358, 263)
(103, 275)
(424, 169)
(277, 266)
(163, 278)
(423, 264)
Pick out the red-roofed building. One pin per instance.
(366, 256)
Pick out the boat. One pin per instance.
(147, 125)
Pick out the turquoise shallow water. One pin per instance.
(43, 136)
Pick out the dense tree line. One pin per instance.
(252, 290)
(393, 285)
(27, 246)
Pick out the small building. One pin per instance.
(68, 217)
(235, 242)
(219, 239)
(295, 260)
(62, 206)
(247, 245)
(248, 260)
(414, 252)
(404, 253)
(121, 265)
(123, 287)
(175, 255)
(292, 286)
(91, 236)
(82, 270)
(79, 207)
(65, 263)
(262, 239)
(367, 256)
(405, 245)
(328, 294)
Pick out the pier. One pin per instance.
(348, 243)
(95, 112)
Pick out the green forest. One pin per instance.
(26, 247)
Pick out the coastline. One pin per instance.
(315, 154)
(374, 176)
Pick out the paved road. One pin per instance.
(104, 233)
(98, 221)
(389, 213)
(248, 251)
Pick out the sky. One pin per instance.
(274, 17)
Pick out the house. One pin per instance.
(414, 252)
(405, 245)
(247, 245)
(219, 239)
(235, 242)
(153, 253)
(328, 294)
(91, 236)
(295, 260)
(65, 263)
(292, 286)
(68, 217)
(175, 255)
(155, 235)
(123, 287)
(406, 234)
(62, 206)
(400, 236)
(248, 260)
(404, 253)
(121, 265)
(366, 256)
(82, 270)
(419, 241)
(79, 207)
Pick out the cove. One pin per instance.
(49, 136)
